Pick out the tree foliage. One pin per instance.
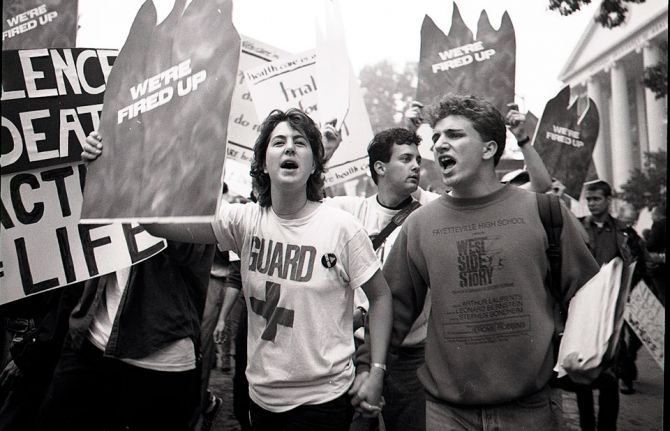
(388, 92)
(612, 13)
(648, 186)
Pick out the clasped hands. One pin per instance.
(366, 393)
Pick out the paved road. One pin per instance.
(642, 411)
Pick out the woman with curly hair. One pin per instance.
(300, 263)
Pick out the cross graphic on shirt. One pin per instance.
(268, 309)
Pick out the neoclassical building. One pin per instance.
(607, 64)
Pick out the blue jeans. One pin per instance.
(405, 397)
(534, 412)
(333, 415)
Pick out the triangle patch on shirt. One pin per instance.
(328, 260)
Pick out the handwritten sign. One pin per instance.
(292, 82)
(645, 314)
(51, 99)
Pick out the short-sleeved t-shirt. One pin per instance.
(375, 217)
(298, 278)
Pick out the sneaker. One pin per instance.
(210, 413)
(626, 388)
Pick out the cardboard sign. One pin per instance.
(564, 139)
(51, 99)
(44, 247)
(28, 24)
(243, 123)
(458, 63)
(292, 83)
(333, 60)
(165, 116)
(646, 316)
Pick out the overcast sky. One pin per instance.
(380, 29)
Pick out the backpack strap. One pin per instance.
(549, 208)
(396, 221)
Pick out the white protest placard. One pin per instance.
(646, 316)
(44, 247)
(291, 82)
(243, 123)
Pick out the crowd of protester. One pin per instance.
(339, 313)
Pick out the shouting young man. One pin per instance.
(481, 249)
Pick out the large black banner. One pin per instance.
(165, 116)
(51, 98)
(39, 24)
(459, 63)
(565, 140)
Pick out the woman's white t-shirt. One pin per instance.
(298, 279)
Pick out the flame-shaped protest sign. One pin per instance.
(458, 63)
(565, 140)
(28, 24)
(165, 116)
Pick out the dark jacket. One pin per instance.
(163, 302)
(629, 245)
(37, 349)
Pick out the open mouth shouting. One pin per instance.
(446, 162)
(289, 164)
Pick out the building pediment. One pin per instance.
(599, 46)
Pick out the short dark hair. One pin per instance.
(381, 146)
(299, 121)
(486, 119)
(600, 185)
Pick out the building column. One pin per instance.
(656, 108)
(601, 152)
(622, 145)
(642, 132)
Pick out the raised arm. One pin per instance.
(413, 117)
(540, 180)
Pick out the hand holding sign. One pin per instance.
(565, 140)
(165, 116)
